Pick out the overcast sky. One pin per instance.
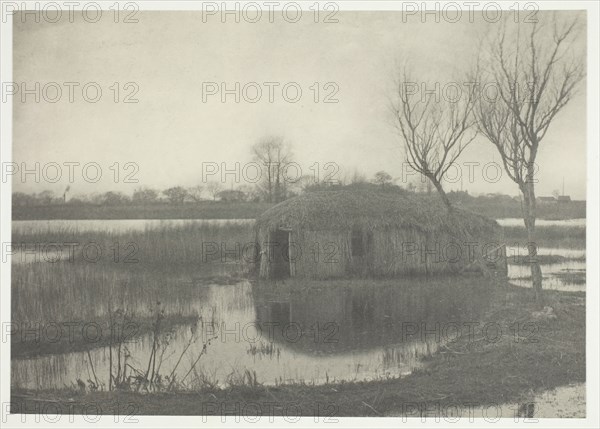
(170, 132)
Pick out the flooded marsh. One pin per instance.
(218, 327)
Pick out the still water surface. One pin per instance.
(314, 335)
(566, 275)
(543, 222)
(112, 225)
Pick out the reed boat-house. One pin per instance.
(346, 233)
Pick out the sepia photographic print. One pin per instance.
(299, 214)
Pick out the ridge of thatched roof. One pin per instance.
(343, 209)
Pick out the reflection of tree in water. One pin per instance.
(353, 316)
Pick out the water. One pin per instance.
(285, 334)
(111, 225)
(566, 275)
(543, 222)
(313, 332)
(562, 402)
(513, 251)
(123, 225)
(35, 255)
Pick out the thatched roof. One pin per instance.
(344, 209)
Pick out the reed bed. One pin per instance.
(65, 292)
(134, 273)
(165, 247)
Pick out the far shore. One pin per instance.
(251, 210)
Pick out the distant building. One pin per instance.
(564, 199)
(546, 200)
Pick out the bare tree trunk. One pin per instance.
(442, 193)
(270, 185)
(277, 185)
(529, 216)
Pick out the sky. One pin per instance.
(168, 62)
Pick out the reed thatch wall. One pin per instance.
(399, 233)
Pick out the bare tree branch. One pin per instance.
(435, 130)
(536, 73)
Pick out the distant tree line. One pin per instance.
(215, 191)
(272, 153)
(211, 191)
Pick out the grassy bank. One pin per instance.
(532, 354)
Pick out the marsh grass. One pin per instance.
(61, 308)
(55, 293)
(166, 248)
(150, 377)
(576, 277)
(169, 265)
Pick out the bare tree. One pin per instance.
(176, 194)
(535, 72)
(245, 192)
(382, 178)
(214, 188)
(195, 193)
(273, 155)
(144, 195)
(435, 129)
(303, 184)
(45, 197)
(114, 198)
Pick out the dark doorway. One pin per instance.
(361, 250)
(280, 245)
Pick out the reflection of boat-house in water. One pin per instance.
(333, 234)
(336, 318)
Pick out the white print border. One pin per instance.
(292, 11)
(593, 294)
